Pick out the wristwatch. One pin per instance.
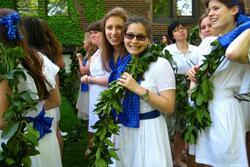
(145, 96)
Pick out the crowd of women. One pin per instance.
(150, 132)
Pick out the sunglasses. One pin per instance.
(139, 37)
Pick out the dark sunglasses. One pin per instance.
(139, 37)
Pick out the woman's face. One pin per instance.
(206, 29)
(96, 38)
(113, 30)
(180, 33)
(221, 17)
(164, 39)
(136, 39)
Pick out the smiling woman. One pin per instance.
(143, 127)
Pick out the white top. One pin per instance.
(157, 80)
(182, 60)
(96, 70)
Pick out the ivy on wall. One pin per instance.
(66, 28)
(93, 10)
(8, 4)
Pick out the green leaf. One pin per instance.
(113, 154)
(10, 131)
(26, 161)
(32, 135)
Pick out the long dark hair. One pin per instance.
(32, 62)
(42, 38)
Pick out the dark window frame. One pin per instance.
(173, 14)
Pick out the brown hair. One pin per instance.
(139, 20)
(229, 4)
(32, 62)
(107, 48)
(205, 15)
(41, 37)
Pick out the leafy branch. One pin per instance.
(198, 117)
(111, 99)
(22, 137)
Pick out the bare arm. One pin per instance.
(100, 80)
(84, 70)
(239, 48)
(4, 103)
(54, 99)
(163, 102)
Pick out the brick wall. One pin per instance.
(142, 8)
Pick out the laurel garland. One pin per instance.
(111, 98)
(22, 137)
(198, 117)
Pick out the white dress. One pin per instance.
(148, 145)
(96, 70)
(48, 145)
(223, 144)
(82, 104)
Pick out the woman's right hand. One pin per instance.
(192, 72)
(79, 56)
(84, 79)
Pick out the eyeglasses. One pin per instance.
(180, 28)
(139, 37)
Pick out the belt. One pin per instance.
(150, 115)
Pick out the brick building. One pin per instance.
(146, 8)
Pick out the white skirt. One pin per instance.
(146, 146)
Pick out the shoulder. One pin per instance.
(170, 47)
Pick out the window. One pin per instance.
(57, 8)
(165, 11)
(27, 7)
(53, 7)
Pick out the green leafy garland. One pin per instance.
(22, 137)
(103, 149)
(198, 117)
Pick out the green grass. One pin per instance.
(76, 141)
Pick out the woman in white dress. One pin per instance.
(40, 75)
(97, 79)
(82, 104)
(223, 144)
(147, 145)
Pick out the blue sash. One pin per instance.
(41, 123)
(84, 87)
(131, 103)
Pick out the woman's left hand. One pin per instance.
(128, 82)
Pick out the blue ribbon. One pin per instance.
(11, 22)
(243, 23)
(84, 87)
(130, 116)
(41, 123)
